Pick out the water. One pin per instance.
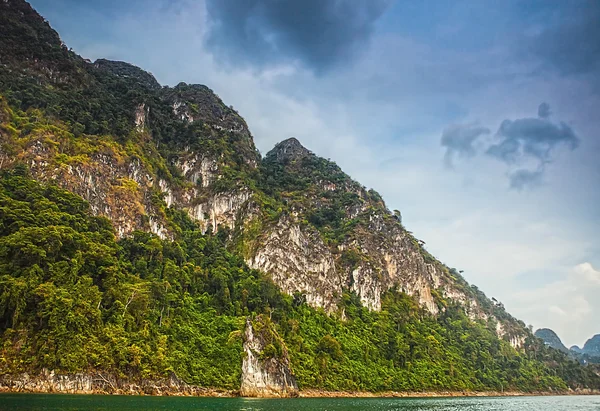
(61, 402)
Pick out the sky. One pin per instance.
(478, 120)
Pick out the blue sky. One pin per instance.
(477, 119)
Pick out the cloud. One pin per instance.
(530, 138)
(544, 110)
(522, 179)
(572, 46)
(459, 139)
(534, 137)
(569, 305)
(518, 143)
(319, 33)
(587, 272)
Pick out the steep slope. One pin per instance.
(335, 235)
(184, 147)
(135, 312)
(589, 354)
(110, 133)
(199, 231)
(107, 131)
(592, 346)
(551, 339)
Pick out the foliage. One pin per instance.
(74, 299)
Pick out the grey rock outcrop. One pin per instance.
(266, 370)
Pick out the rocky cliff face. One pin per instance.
(144, 154)
(100, 383)
(299, 261)
(340, 237)
(266, 368)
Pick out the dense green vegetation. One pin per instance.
(74, 299)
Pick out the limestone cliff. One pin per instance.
(266, 367)
(100, 383)
(148, 152)
(339, 236)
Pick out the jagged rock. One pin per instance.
(100, 383)
(265, 373)
(288, 150)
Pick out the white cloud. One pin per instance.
(569, 305)
(588, 273)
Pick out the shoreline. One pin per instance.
(309, 393)
(49, 382)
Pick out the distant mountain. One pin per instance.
(576, 349)
(551, 339)
(592, 346)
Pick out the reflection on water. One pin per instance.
(60, 402)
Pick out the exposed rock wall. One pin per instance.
(122, 187)
(393, 261)
(101, 383)
(269, 377)
(298, 261)
(116, 187)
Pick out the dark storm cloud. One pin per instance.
(531, 138)
(572, 46)
(459, 139)
(517, 142)
(535, 137)
(544, 110)
(320, 33)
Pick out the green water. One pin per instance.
(104, 402)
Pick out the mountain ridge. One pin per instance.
(590, 353)
(174, 169)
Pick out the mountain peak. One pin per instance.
(289, 150)
(551, 339)
(592, 346)
(126, 70)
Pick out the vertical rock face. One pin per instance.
(299, 261)
(393, 260)
(266, 367)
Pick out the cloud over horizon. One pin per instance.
(571, 300)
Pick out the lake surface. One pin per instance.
(133, 403)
